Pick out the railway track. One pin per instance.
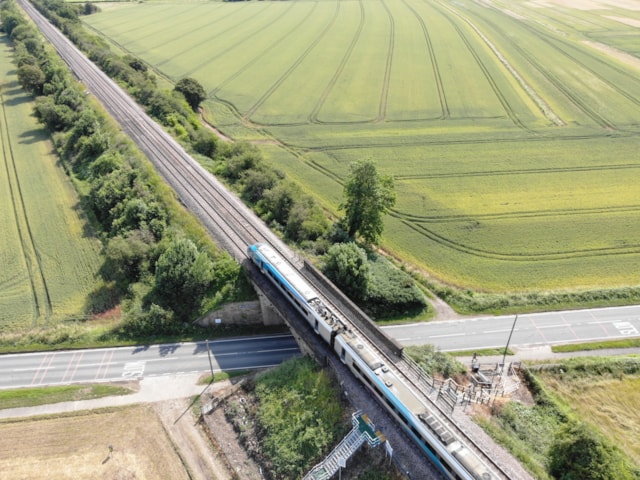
(224, 215)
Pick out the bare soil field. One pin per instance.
(76, 446)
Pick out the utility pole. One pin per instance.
(504, 356)
(210, 362)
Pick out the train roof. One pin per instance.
(288, 273)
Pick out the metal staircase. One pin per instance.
(363, 431)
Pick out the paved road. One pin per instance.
(531, 330)
(111, 364)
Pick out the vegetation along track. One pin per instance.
(42, 308)
(221, 212)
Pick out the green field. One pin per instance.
(511, 127)
(49, 257)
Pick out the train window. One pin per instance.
(315, 326)
(342, 354)
(356, 368)
(375, 387)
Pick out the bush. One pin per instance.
(580, 453)
(299, 417)
(346, 265)
(435, 362)
(193, 92)
(31, 78)
(392, 292)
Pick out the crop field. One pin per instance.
(49, 257)
(76, 446)
(511, 128)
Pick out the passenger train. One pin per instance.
(449, 455)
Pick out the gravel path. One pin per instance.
(151, 389)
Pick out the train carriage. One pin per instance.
(297, 290)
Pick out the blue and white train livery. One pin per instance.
(446, 451)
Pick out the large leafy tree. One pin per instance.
(368, 196)
(192, 90)
(183, 275)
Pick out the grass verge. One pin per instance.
(580, 347)
(31, 397)
(67, 337)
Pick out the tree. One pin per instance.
(126, 257)
(183, 275)
(347, 266)
(55, 117)
(580, 453)
(11, 20)
(277, 202)
(193, 92)
(205, 143)
(31, 78)
(368, 196)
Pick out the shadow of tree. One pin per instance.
(168, 349)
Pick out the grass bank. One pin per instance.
(31, 397)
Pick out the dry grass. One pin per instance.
(609, 404)
(77, 447)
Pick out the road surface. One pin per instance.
(132, 363)
(535, 329)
